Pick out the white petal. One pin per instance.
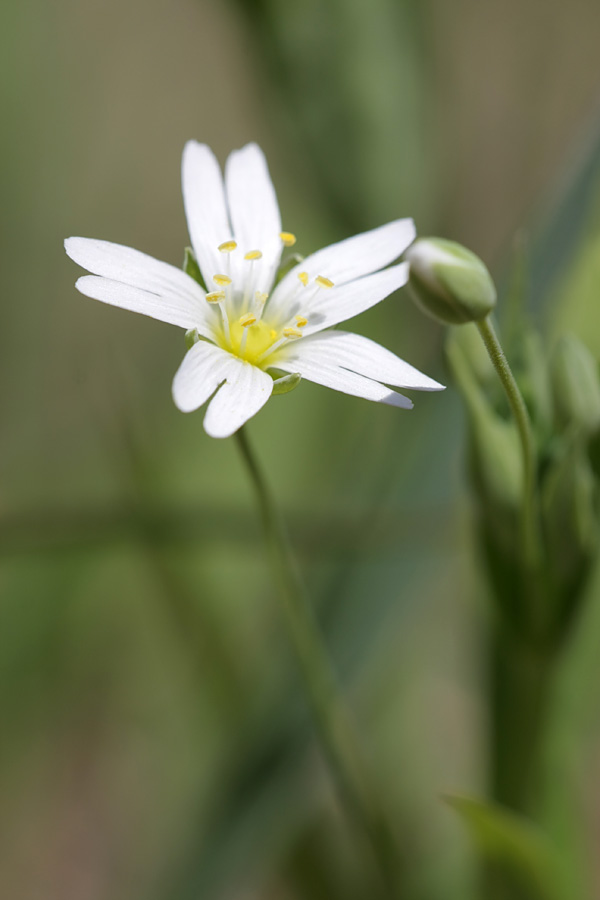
(254, 212)
(246, 390)
(359, 354)
(350, 259)
(242, 388)
(157, 306)
(203, 369)
(182, 298)
(329, 375)
(328, 306)
(205, 207)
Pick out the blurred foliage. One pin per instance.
(154, 740)
(512, 845)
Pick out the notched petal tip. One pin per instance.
(193, 145)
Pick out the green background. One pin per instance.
(154, 742)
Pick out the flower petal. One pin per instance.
(136, 281)
(242, 388)
(254, 213)
(205, 207)
(157, 307)
(321, 371)
(203, 369)
(361, 355)
(349, 259)
(325, 307)
(246, 390)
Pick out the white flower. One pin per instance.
(237, 237)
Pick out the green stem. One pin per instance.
(521, 663)
(521, 680)
(333, 723)
(521, 684)
(530, 520)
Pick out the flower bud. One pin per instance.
(576, 385)
(448, 282)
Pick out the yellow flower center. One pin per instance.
(259, 337)
(243, 331)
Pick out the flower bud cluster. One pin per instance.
(562, 392)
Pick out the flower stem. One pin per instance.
(333, 722)
(530, 520)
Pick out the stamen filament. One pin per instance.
(227, 247)
(260, 300)
(252, 256)
(226, 327)
(246, 321)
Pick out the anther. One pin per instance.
(303, 277)
(287, 238)
(253, 254)
(301, 321)
(323, 282)
(291, 333)
(227, 246)
(222, 280)
(215, 296)
(247, 320)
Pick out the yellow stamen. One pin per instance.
(247, 320)
(261, 298)
(323, 282)
(222, 280)
(303, 276)
(253, 254)
(227, 246)
(291, 333)
(301, 321)
(215, 296)
(273, 333)
(288, 239)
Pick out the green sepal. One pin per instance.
(191, 337)
(286, 383)
(191, 267)
(517, 855)
(286, 266)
